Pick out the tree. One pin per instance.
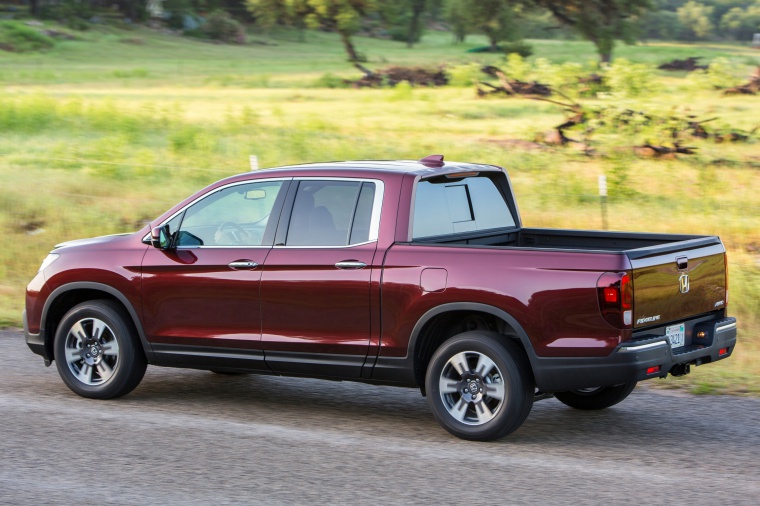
(695, 17)
(268, 13)
(496, 19)
(600, 21)
(741, 24)
(343, 16)
(414, 32)
(458, 16)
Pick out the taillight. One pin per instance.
(615, 291)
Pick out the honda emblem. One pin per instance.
(683, 283)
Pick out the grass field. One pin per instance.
(101, 134)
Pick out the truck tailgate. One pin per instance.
(676, 285)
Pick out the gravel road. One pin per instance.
(193, 437)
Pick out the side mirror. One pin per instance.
(160, 237)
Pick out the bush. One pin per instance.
(630, 79)
(719, 75)
(221, 26)
(330, 81)
(518, 47)
(15, 36)
(464, 75)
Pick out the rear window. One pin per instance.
(466, 205)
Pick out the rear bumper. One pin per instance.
(648, 356)
(36, 342)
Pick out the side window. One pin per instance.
(234, 216)
(471, 204)
(331, 213)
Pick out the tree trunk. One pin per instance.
(34, 7)
(605, 57)
(353, 56)
(413, 34)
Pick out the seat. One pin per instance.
(322, 229)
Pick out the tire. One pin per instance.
(97, 351)
(467, 375)
(596, 398)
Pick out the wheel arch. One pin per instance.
(443, 322)
(65, 297)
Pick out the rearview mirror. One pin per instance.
(160, 237)
(255, 194)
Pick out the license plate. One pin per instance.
(676, 334)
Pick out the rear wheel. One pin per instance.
(97, 352)
(479, 386)
(596, 398)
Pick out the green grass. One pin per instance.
(104, 133)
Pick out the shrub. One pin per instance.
(330, 81)
(221, 26)
(719, 75)
(630, 79)
(15, 36)
(464, 75)
(518, 47)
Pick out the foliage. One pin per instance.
(719, 75)
(220, 25)
(516, 67)
(330, 80)
(16, 36)
(600, 22)
(630, 79)
(496, 19)
(520, 47)
(695, 19)
(741, 24)
(464, 75)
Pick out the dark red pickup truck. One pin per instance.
(415, 274)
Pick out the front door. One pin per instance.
(315, 288)
(202, 296)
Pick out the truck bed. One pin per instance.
(634, 244)
(674, 276)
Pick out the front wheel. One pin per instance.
(97, 351)
(479, 386)
(596, 398)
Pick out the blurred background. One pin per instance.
(112, 111)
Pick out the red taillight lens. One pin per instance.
(626, 289)
(653, 370)
(615, 291)
(722, 351)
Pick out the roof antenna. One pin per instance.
(432, 161)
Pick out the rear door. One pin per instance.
(315, 289)
(675, 286)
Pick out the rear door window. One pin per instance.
(331, 213)
(467, 205)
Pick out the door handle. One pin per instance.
(350, 264)
(242, 264)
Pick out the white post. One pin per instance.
(254, 162)
(603, 199)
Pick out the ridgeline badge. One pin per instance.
(683, 283)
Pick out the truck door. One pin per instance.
(315, 289)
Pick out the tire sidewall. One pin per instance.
(512, 404)
(122, 334)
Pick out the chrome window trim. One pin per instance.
(230, 185)
(374, 222)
